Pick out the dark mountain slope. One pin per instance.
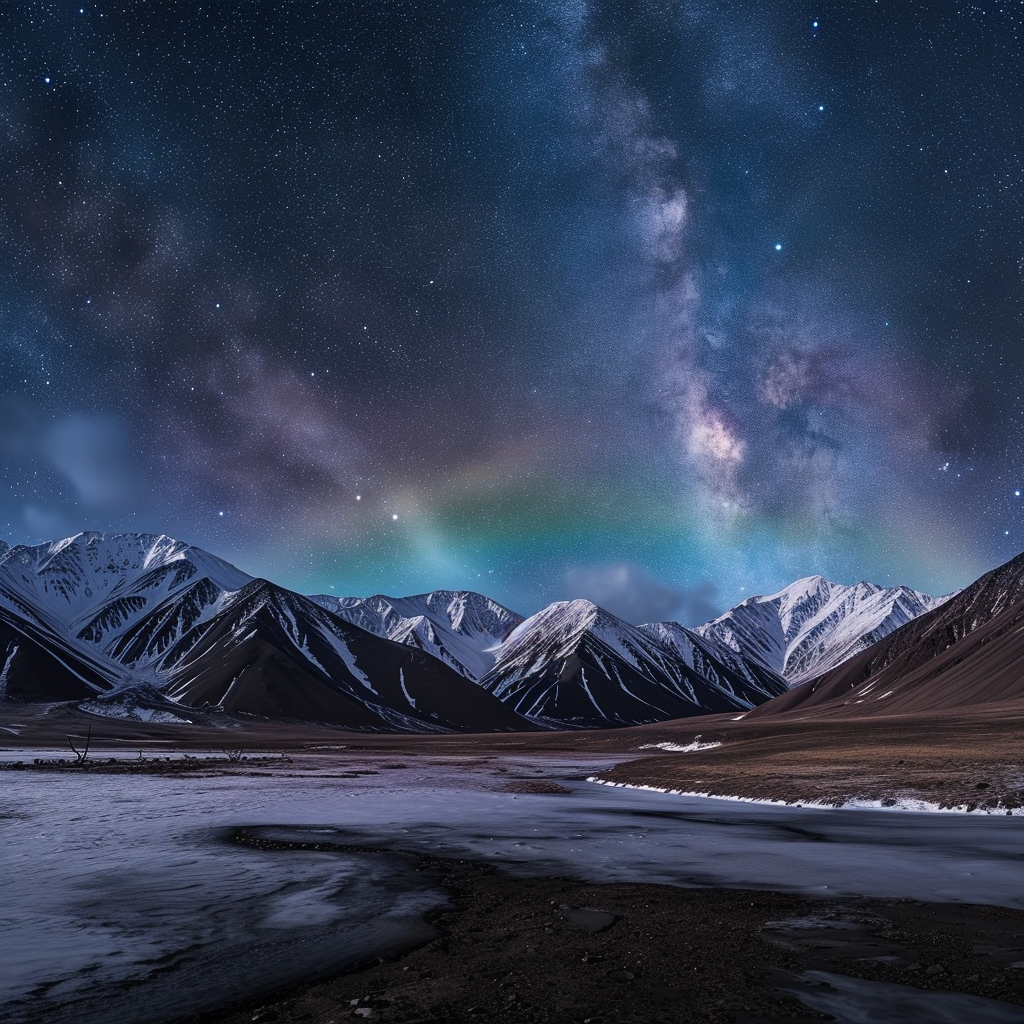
(278, 655)
(574, 664)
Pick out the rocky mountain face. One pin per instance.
(574, 664)
(721, 665)
(967, 651)
(460, 627)
(93, 616)
(814, 624)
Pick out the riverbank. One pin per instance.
(971, 761)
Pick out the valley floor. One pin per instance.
(238, 865)
(967, 759)
(972, 759)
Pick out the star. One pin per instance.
(778, 247)
(395, 515)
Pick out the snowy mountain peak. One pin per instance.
(461, 627)
(805, 586)
(96, 562)
(564, 617)
(95, 589)
(469, 612)
(815, 623)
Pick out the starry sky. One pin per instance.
(657, 303)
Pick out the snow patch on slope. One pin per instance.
(460, 627)
(681, 748)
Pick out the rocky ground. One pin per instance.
(512, 950)
(559, 950)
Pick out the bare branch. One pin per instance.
(83, 754)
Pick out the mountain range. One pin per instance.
(137, 625)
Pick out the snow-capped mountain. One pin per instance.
(89, 591)
(460, 627)
(814, 624)
(574, 664)
(94, 615)
(967, 651)
(277, 654)
(726, 668)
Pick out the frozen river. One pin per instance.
(122, 894)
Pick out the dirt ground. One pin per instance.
(558, 950)
(972, 759)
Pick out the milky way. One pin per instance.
(661, 304)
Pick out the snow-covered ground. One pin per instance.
(123, 892)
(903, 803)
(679, 748)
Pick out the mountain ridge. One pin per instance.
(97, 614)
(815, 623)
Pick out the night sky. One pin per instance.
(661, 304)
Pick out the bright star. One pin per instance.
(46, 80)
(814, 24)
(821, 107)
(778, 247)
(1016, 494)
(395, 516)
(220, 513)
(359, 497)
